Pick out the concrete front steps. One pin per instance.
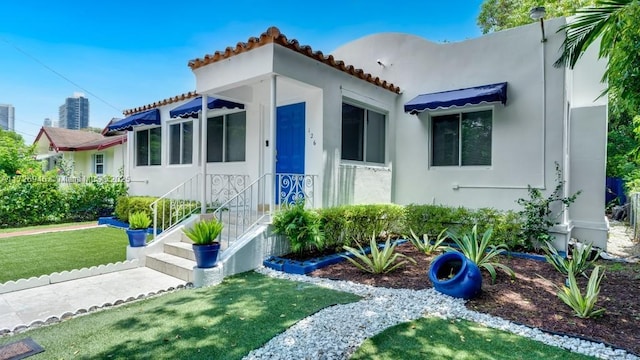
(172, 253)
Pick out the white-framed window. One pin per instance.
(227, 137)
(98, 164)
(149, 147)
(363, 134)
(461, 138)
(181, 143)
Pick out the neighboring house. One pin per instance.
(390, 118)
(86, 152)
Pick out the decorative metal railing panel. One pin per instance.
(294, 187)
(222, 187)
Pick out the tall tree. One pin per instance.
(498, 15)
(15, 156)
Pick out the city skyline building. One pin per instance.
(7, 117)
(47, 122)
(74, 113)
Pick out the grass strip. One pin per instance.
(41, 254)
(44, 227)
(435, 338)
(221, 322)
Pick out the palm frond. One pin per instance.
(591, 23)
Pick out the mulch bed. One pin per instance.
(531, 298)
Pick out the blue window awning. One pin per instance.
(193, 107)
(469, 96)
(149, 117)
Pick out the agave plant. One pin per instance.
(583, 305)
(427, 246)
(480, 252)
(379, 261)
(578, 263)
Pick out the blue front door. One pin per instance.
(289, 152)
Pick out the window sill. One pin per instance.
(374, 167)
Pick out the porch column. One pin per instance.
(203, 154)
(272, 137)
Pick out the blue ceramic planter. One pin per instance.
(137, 238)
(206, 255)
(453, 274)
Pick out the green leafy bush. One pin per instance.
(583, 305)
(427, 246)
(430, 219)
(378, 261)
(348, 224)
(169, 211)
(95, 198)
(204, 232)
(480, 251)
(31, 198)
(577, 264)
(300, 226)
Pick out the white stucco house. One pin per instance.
(86, 153)
(388, 118)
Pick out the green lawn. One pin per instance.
(435, 338)
(220, 322)
(44, 227)
(41, 254)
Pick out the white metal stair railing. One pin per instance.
(176, 205)
(242, 211)
(182, 201)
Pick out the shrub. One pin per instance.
(348, 224)
(480, 252)
(425, 245)
(577, 264)
(98, 197)
(31, 198)
(583, 305)
(126, 205)
(430, 219)
(537, 213)
(300, 226)
(378, 261)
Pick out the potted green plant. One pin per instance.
(206, 246)
(137, 231)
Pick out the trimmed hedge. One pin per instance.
(431, 219)
(351, 224)
(129, 204)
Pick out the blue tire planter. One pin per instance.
(453, 274)
(137, 238)
(206, 255)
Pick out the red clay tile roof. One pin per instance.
(185, 96)
(72, 140)
(273, 35)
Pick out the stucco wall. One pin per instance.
(528, 134)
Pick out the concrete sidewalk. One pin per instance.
(45, 230)
(51, 303)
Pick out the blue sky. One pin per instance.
(125, 54)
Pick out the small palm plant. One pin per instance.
(204, 232)
(425, 245)
(379, 261)
(578, 264)
(583, 305)
(139, 220)
(480, 252)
